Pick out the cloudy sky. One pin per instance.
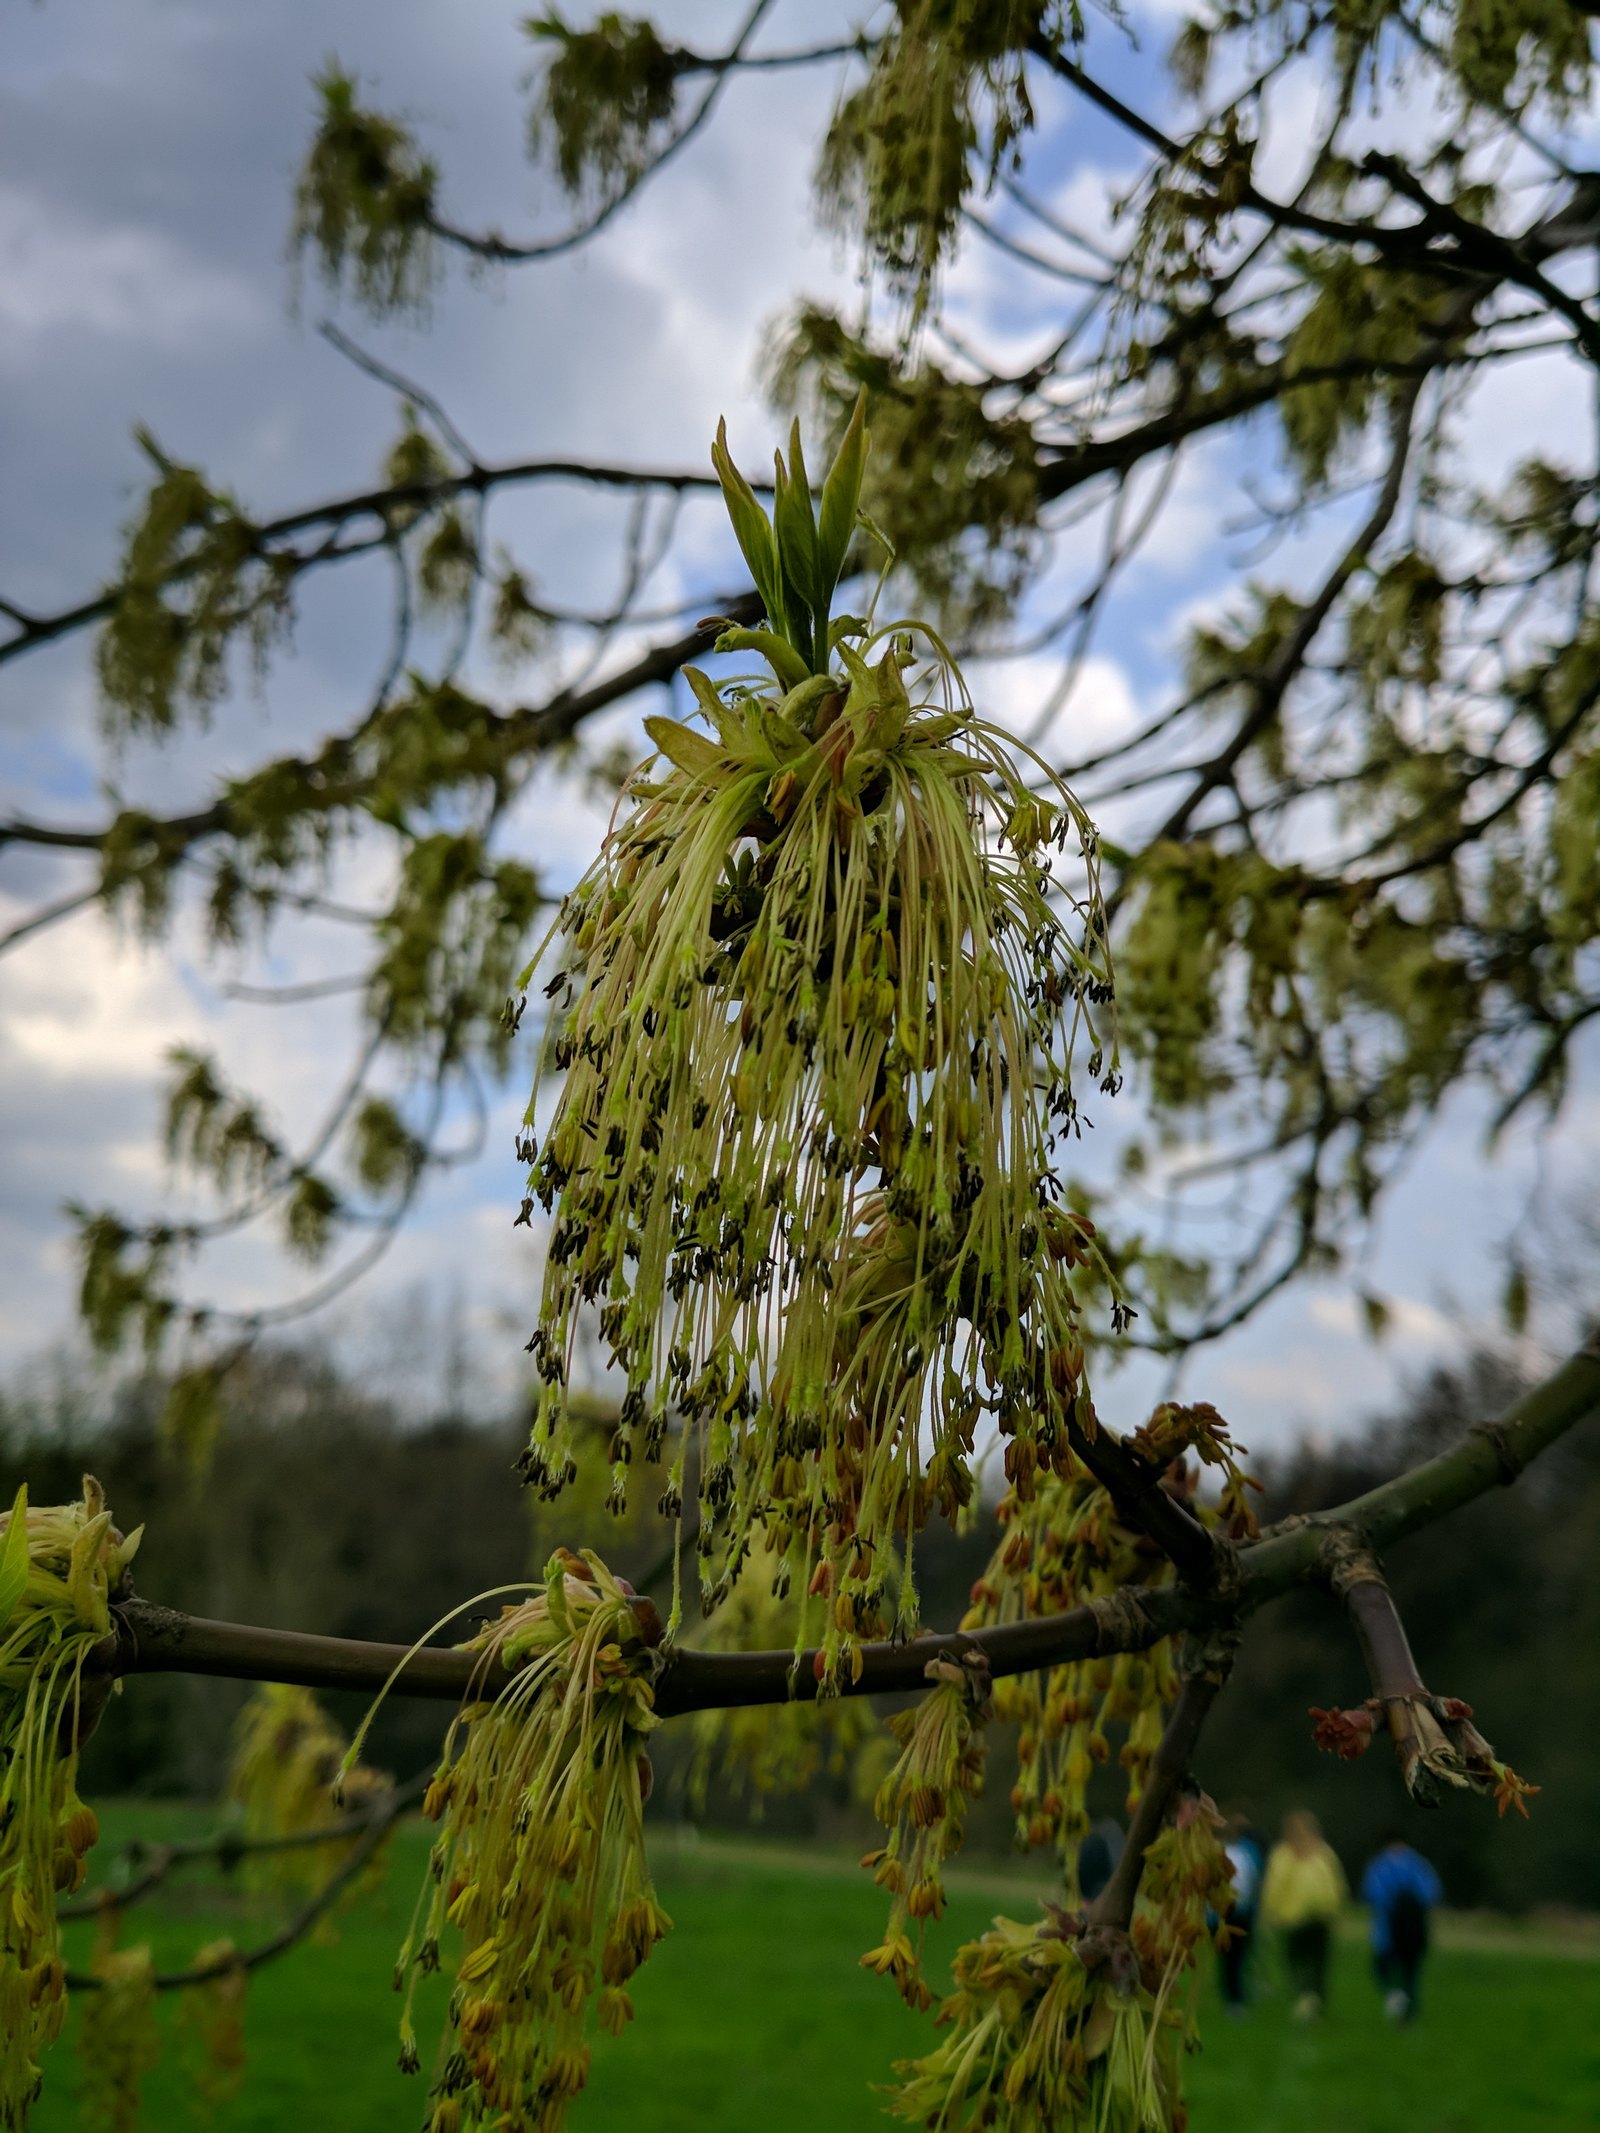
(147, 157)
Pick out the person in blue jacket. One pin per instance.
(1400, 1889)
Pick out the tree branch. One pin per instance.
(1205, 1671)
(228, 1847)
(151, 1639)
(526, 730)
(1435, 1742)
(383, 503)
(378, 1825)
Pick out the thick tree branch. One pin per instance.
(151, 1639)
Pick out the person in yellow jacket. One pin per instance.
(1301, 1896)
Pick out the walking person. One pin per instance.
(1302, 1894)
(1400, 1889)
(1245, 1861)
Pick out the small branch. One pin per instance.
(382, 503)
(1205, 1670)
(377, 1826)
(1435, 1742)
(1135, 1486)
(1357, 1580)
(227, 1847)
(526, 731)
(500, 251)
(48, 915)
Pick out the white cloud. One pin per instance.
(1022, 694)
(1410, 1324)
(65, 273)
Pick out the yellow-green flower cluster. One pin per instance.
(814, 1008)
(1063, 1547)
(290, 1774)
(119, 2040)
(213, 2014)
(58, 1570)
(1077, 2021)
(1186, 1885)
(922, 1802)
(1050, 2030)
(540, 1864)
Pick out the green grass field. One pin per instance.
(755, 2018)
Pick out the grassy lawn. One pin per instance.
(754, 2015)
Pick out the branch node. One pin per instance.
(1506, 1458)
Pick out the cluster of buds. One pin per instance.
(290, 1774)
(922, 1802)
(119, 2038)
(1051, 2026)
(539, 1867)
(60, 1568)
(1437, 1743)
(813, 1009)
(1075, 2021)
(1063, 1547)
(1185, 1889)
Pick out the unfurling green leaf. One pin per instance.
(795, 526)
(14, 1558)
(692, 752)
(841, 500)
(751, 526)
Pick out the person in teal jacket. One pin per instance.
(1401, 1890)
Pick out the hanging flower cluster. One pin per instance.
(58, 1570)
(212, 2012)
(814, 1008)
(119, 2041)
(290, 1775)
(1066, 1546)
(540, 1863)
(1071, 2023)
(922, 1802)
(1037, 2040)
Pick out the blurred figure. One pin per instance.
(1400, 1889)
(1246, 1859)
(1097, 1858)
(1301, 1895)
